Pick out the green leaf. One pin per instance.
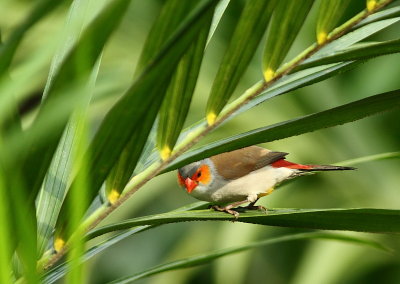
(149, 151)
(287, 84)
(286, 22)
(380, 15)
(123, 169)
(247, 35)
(361, 51)
(57, 272)
(8, 49)
(355, 219)
(6, 245)
(171, 16)
(55, 183)
(354, 37)
(304, 78)
(74, 72)
(142, 99)
(211, 256)
(78, 207)
(328, 118)
(218, 13)
(329, 15)
(371, 158)
(10, 120)
(296, 81)
(176, 104)
(24, 226)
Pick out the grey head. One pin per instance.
(189, 170)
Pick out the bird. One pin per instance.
(242, 176)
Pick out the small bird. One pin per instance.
(242, 176)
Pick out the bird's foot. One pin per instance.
(228, 209)
(256, 207)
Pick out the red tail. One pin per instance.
(286, 164)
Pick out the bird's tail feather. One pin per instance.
(327, 168)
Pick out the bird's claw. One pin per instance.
(226, 209)
(257, 207)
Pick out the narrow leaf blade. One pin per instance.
(75, 71)
(59, 271)
(329, 15)
(355, 36)
(9, 48)
(329, 118)
(286, 22)
(380, 15)
(371, 158)
(355, 52)
(211, 256)
(6, 245)
(142, 99)
(247, 35)
(357, 219)
(171, 16)
(54, 187)
(179, 95)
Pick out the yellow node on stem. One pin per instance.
(59, 243)
(165, 153)
(371, 4)
(211, 117)
(321, 37)
(269, 74)
(113, 196)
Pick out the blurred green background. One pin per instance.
(375, 184)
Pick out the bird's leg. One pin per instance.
(251, 206)
(229, 208)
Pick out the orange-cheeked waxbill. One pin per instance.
(241, 176)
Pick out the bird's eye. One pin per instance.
(202, 175)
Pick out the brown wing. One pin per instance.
(238, 163)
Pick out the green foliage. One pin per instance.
(9, 48)
(177, 101)
(329, 15)
(360, 219)
(356, 52)
(169, 19)
(145, 99)
(288, 18)
(55, 184)
(75, 70)
(5, 238)
(247, 35)
(328, 118)
(208, 257)
(73, 165)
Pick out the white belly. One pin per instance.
(247, 187)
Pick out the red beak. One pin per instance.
(190, 185)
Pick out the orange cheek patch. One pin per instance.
(181, 180)
(205, 177)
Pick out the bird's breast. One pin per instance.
(255, 183)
